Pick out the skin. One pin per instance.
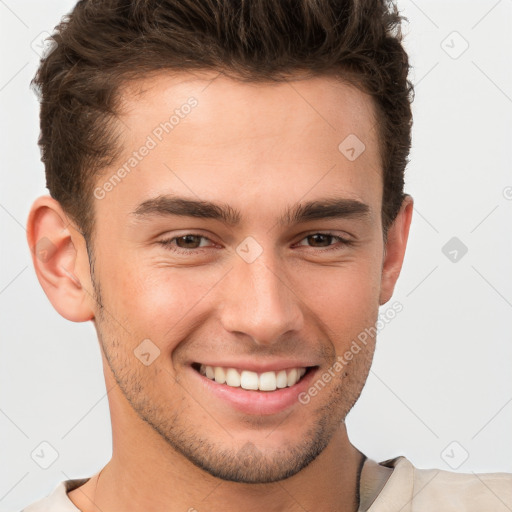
(259, 148)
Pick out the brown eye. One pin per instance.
(320, 240)
(189, 241)
(326, 241)
(186, 243)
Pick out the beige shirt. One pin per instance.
(394, 485)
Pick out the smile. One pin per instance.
(250, 380)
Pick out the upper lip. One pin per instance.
(260, 367)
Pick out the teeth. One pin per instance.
(220, 374)
(292, 377)
(266, 381)
(232, 378)
(248, 380)
(282, 379)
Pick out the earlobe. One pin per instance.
(394, 253)
(59, 256)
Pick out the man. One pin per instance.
(227, 207)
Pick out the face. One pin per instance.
(243, 236)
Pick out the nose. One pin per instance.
(259, 302)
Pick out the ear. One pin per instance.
(394, 249)
(60, 259)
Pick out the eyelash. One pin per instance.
(168, 244)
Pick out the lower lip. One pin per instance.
(257, 402)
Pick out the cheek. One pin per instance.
(159, 302)
(345, 298)
(351, 313)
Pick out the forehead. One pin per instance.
(257, 144)
(231, 109)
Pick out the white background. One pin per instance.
(442, 369)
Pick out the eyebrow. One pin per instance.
(328, 208)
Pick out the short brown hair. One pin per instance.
(102, 44)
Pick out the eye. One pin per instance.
(185, 243)
(320, 240)
(194, 242)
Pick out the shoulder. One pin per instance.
(57, 500)
(420, 490)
